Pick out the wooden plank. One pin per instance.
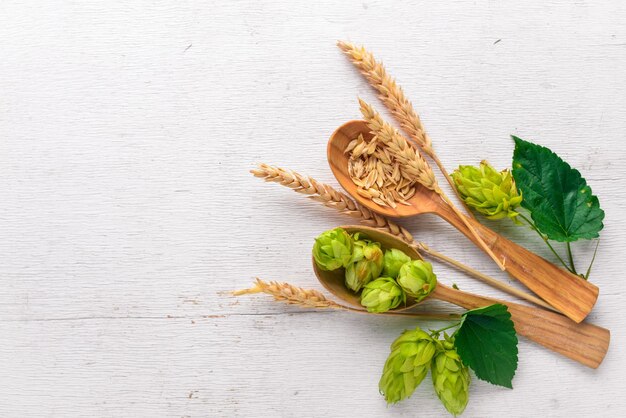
(126, 206)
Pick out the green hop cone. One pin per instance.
(450, 378)
(366, 265)
(393, 260)
(490, 192)
(333, 249)
(382, 294)
(417, 279)
(407, 365)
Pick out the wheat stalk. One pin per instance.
(398, 104)
(310, 298)
(332, 198)
(415, 165)
(486, 279)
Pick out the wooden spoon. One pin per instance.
(585, 343)
(568, 293)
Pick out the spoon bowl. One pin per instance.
(423, 201)
(582, 342)
(334, 281)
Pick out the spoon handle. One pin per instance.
(583, 342)
(568, 293)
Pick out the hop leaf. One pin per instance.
(557, 196)
(487, 342)
(382, 294)
(393, 260)
(417, 279)
(490, 192)
(451, 378)
(366, 265)
(333, 249)
(407, 365)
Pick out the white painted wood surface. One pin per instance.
(126, 134)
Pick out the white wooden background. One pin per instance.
(127, 130)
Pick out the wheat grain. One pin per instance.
(382, 161)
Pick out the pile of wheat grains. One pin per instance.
(379, 176)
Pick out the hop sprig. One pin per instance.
(381, 295)
(366, 263)
(490, 192)
(451, 378)
(417, 279)
(412, 354)
(333, 249)
(393, 260)
(407, 365)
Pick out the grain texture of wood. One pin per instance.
(568, 293)
(583, 342)
(127, 211)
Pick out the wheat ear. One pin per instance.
(398, 104)
(310, 298)
(291, 294)
(332, 198)
(412, 161)
(415, 165)
(390, 93)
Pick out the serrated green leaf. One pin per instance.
(557, 196)
(487, 343)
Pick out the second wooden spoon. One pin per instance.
(584, 343)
